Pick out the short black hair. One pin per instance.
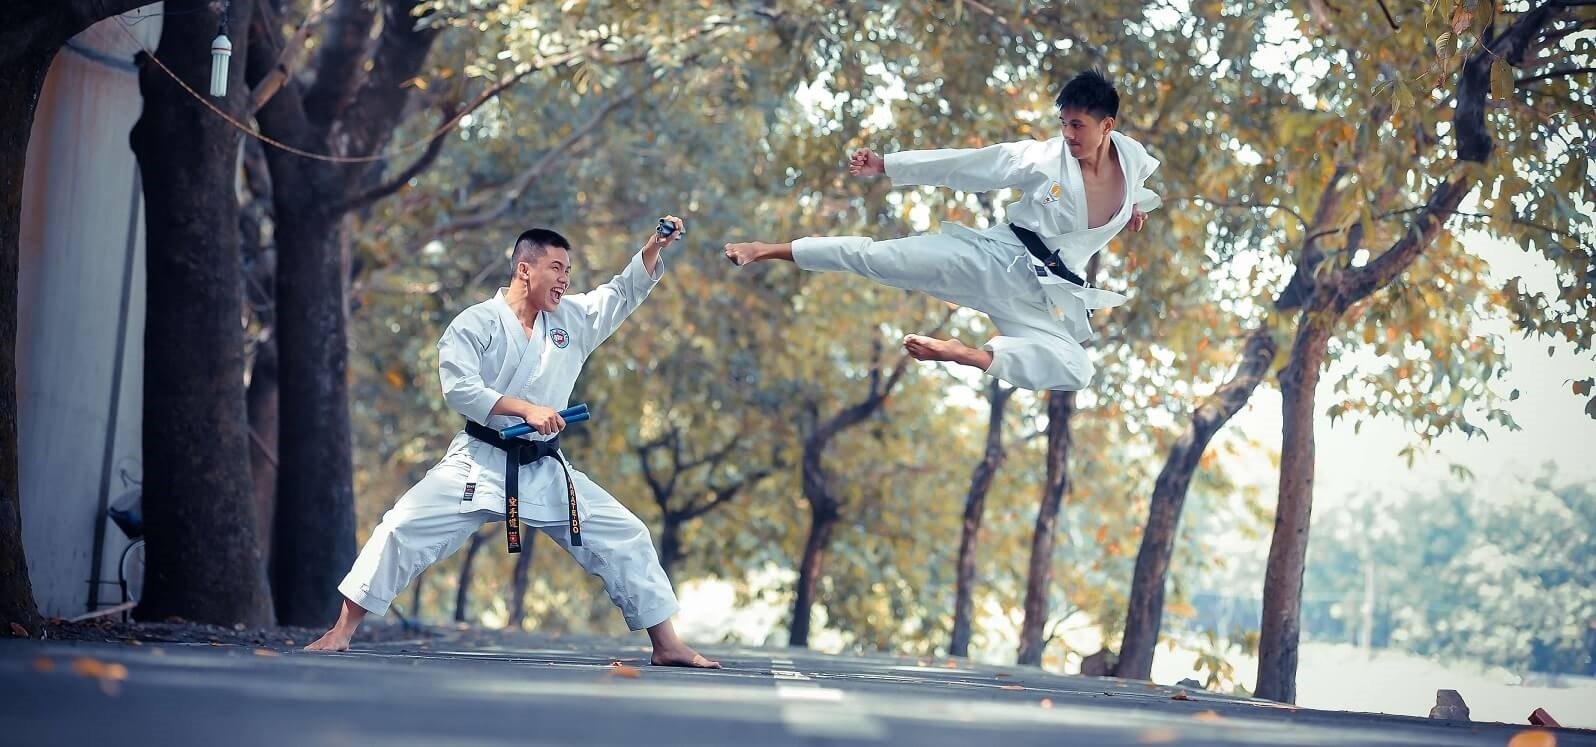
(1090, 91)
(533, 243)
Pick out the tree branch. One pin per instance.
(399, 181)
(549, 159)
(1559, 73)
(338, 66)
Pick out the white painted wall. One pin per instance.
(82, 263)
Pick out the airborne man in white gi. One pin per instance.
(511, 359)
(1076, 193)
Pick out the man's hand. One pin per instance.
(1137, 219)
(866, 162)
(544, 420)
(654, 239)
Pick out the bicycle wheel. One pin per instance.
(131, 572)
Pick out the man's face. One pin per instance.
(1083, 132)
(546, 278)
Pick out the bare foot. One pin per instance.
(332, 640)
(748, 252)
(681, 656)
(924, 348)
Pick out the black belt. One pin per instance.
(521, 451)
(1050, 260)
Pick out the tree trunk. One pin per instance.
(670, 541)
(415, 595)
(1145, 614)
(1060, 408)
(262, 405)
(821, 524)
(1288, 548)
(203, 559)
(519, 581)
(20, 84)
(462, 593)
(315, 494)
(974, 505)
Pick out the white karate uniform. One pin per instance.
(1041, 319)
(485, 354)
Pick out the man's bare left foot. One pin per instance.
(681, 656)
(332, 640)
(747, 252)
(924, 348)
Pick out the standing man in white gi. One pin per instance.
(1077, 192)
(512, 359)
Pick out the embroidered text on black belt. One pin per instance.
(519, 452)
(1050, 260)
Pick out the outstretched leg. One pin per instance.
(616, 547)
(424, 527)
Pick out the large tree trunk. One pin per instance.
(21, 80)
(809, 570)
(462, 593)
(1146, 610)
(1060, 408)
(262, 406)
(974, 505)
(1288, 548)
(519, 581)
(203, 560)
(351, 109)
(315, 489)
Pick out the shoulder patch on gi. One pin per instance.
(559, 337)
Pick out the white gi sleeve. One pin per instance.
(606, 306)
(967, 169)
(460, 366)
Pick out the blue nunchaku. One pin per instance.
(572, 414)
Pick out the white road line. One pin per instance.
(807, 709)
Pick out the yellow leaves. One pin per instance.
(1160, 735)
(395, 377)
(1533, 738)
(110, 674)
(1181, 609)
(622, 670)
(1501, 80)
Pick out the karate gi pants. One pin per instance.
(1032, 349)
(426, 526)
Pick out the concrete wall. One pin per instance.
(81, 314)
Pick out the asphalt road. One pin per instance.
(527, 690)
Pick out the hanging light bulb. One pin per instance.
(221, 50)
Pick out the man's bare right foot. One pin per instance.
(748, 252)
(332, 640)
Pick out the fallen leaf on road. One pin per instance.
(1161, 735)
(1533, 738)
(19, 631)
(621, 670)
(1047, 703)
(1004, 675)
(86, 667)
(952, 664)
(265, 652)
(1180, 696)
(1208, 716)
(43, 664)
(1013, 687)
(133, 642)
